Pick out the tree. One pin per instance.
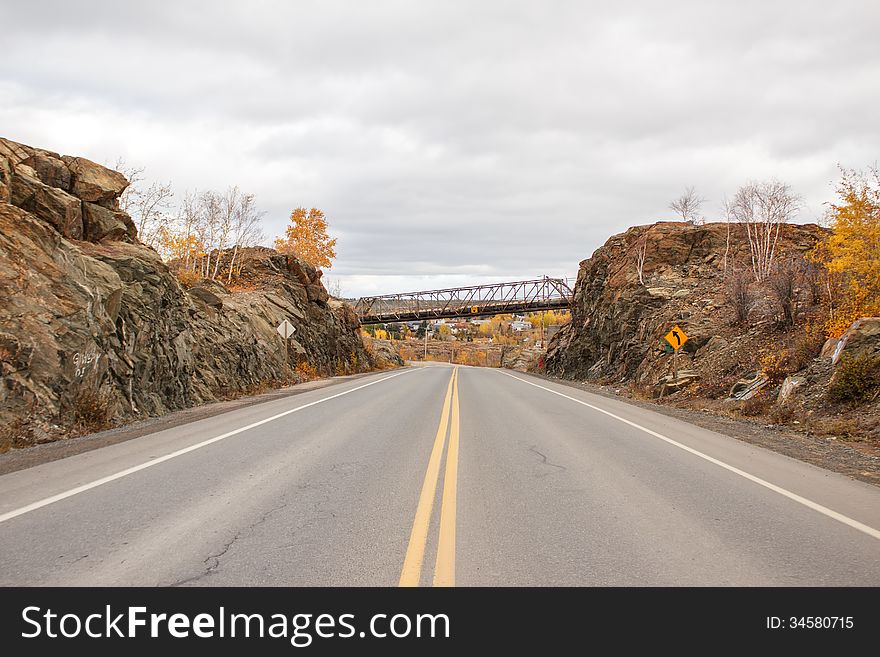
(641, 253)
(763, 208)
(688, 205)
(783, 282)
(851, 252)
(334, 287)
(727, 208)
(738, 291)
(149, 207)
(246, 229)
(204, 226)
(306, 238)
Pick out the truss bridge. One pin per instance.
(474, 301)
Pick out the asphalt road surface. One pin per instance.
(442, 476)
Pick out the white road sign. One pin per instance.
(286, 329)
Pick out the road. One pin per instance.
(441, 476)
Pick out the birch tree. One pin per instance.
(763, 208)
(246, 230)
(687, 206)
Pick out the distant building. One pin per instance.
(520, 326)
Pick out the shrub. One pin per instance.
(16, 433)
(305, 371)
(773, 366)
(92, 410)
(857, 379)
(188, 278)
(806, 347)
(758, 405)
(739, 294)
(781, 414)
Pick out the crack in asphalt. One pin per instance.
(544, 460)
(212, 562)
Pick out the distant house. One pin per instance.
(520, 326)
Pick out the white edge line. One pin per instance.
(846, 520)
(149, 464)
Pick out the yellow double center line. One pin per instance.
(444, 567)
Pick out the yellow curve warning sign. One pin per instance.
(676, 337)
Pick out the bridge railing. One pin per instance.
(472, 301)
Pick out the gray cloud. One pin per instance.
(451, 142)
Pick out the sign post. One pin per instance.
(286, 329)
(676, 339)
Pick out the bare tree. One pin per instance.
(763, 208)
(148, 206)
(728, 215)
(246, 229)
(210, 211)
(228, 208)
(334, 287)
(135, 176)
(738, 291)
(782, 282)
(688, 205)
(641, 252)
(812, 276)
(188, 219)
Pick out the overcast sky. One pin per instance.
(453, 142)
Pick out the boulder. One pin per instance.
(383, 353)
(789, 386)
(671, 384)
(5, 179)
(829, 348)
(206, 296)
(102, 224)
(50, 169)
(748, 386)
(862, 337)
(54, 206)
(94, 183)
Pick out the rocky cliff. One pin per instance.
(757, 365)
(92, 322)
(618, 322)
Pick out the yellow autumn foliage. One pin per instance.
(306, 238)
(851, 252)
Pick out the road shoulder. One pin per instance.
(834, 455)
(20, 459)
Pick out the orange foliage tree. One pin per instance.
(306, 238)
(851, 252)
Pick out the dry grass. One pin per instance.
(91, 410)
(781, 414)
(19, 432)
(845, 428)
(758, 405)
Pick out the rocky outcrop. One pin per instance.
(384, 353)
(860, 339)
(618, 322)
(87, 310)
